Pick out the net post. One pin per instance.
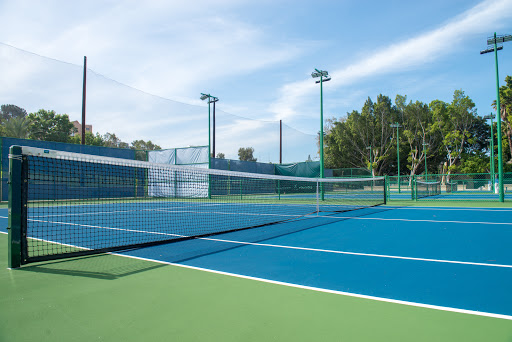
(15, 208)
(1, 170)
(385, 190)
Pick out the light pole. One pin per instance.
(491, 143)
(324, 77)
(493, 47)
(211, 99)
(371, 158)
(425, 154)
(397, 126)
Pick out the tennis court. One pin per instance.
(307, 269)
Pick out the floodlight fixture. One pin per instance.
(211, 99)
(491, 49)
(328, 78)
(319, 73)
(499, 39)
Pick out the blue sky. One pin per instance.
(256, 57)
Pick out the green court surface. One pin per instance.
(114, 298)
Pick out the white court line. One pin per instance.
(349, 294)
(168, 211)
(495, 209)
(289, 247)
(381, 299)
(317, 289)
(358, 254)
(411, 220)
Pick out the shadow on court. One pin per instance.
(183, 251)
(104, 266)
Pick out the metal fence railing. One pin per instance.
(449, 187)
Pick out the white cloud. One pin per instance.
(162, 47)
(169, 48)
(398, 57)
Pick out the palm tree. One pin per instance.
(17, 127)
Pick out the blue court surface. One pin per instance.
(448, 258)
(454, 196)
(455, 258)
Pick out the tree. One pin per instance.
(474, 163)
(9, 111)
(49, 126)
(111, 140)
(418, 129)
(220, 156)
(350, 140)
(144, 145)
(453, 122)
(246, 154)
(17, 127)
(90, 139)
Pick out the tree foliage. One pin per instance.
(9, 111)
(454, 122)
(418, 132)
(144, 145)
(362, 136)
(90, 139)
(246, 154)
(47, 125)
(50, 126)
(506, 114)
(440, 133)
(17, 127)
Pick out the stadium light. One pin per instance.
(493, 47)
(324, 77)
(491, 141)
(397, 126)
(328, 78)
(211, 99)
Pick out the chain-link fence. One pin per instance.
(448, 187)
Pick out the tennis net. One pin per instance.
(426, 189)
(67, 204)
(452, 187)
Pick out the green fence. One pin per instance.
(449, 187)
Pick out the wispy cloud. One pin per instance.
(166, 48)
(398, 57)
